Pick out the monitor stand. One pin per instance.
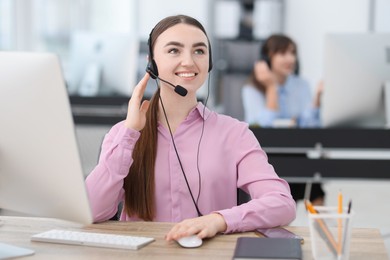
(387, 102)
(8, 251)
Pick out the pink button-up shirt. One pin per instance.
(230, 157)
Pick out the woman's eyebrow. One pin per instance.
(198, 44)
(175, 44)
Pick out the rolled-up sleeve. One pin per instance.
(105, 183)
(271, 204)
(256, 112)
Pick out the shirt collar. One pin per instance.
(200, 110)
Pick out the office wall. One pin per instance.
(151, 11)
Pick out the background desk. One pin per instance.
(366, 243)
(357, 153)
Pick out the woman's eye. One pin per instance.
(199, 51)
(173, 51)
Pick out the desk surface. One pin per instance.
(366, 243)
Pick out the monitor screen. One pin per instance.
(102, 64)
(40, 167)
(356, 69)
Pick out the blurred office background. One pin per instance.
(102, 47)
(113, 34)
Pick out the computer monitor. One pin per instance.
(356, 69)
(40, 167)
(102, 64)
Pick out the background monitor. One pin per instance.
(357, 66)
(40, 168)
(102, 64)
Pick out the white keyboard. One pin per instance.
(92, 239)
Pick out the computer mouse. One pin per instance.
(190, 241)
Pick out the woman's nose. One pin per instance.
(187, 59)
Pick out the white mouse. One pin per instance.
(190, 241)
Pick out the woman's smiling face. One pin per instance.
(182, 56)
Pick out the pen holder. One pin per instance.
(330, 233)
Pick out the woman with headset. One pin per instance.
(174, 160)
(276, 96)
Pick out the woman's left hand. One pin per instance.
(204, 226)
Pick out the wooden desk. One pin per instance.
(366, 243)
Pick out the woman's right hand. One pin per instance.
(136, 112)
(318, 94)
(264, 74)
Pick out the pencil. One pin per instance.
(322, 229)
(339, 223)
(346, 225)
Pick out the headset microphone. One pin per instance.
(178, 89)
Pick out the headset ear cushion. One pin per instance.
(151, 68)
(210, 60)
(296, 71)
(267, 60)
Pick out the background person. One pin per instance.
(275, 95)
(275, 90)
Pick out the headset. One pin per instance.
(152, 69)
(264, 57)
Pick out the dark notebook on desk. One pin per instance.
(267, 248)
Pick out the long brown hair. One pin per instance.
(276, 43)
(140, 182)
